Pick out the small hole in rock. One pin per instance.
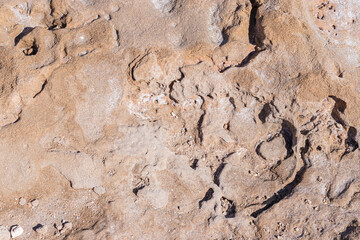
(265, 112)
(194, 164)
(318, 148)
(31, 50)
(208, 195)
(38, 226)
(228, 207)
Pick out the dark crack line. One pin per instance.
(199, 127)
(137, 189)
(249, 57)
(208, 195)
(289, 188)
(252, 24)
(42, 89)
(25, 32)
(218, 173)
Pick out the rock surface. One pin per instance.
(179, 119)
(4, 233)
(16, 231)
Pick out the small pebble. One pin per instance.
(22, 201)
(16, 231)
(35, 203)
(4, 233)
(99, 190)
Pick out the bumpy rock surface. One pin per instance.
(180, 119)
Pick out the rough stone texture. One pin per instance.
(180, 119)
(16, 231)
(4, 233)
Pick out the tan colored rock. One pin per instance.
(22, 201)
(34, 203)
(273, 149)
(99, 190)
(205, 119)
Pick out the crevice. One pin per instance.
(60, 19)
(339, 108)
(117, 33)
(352, 231)
(257, 150)
(245, 61)
(194, 164)
(208, 195)
(289, 188)
(256, 35)
(42, 88)
(305, 132)
(228, 207)
(265, 112)
(171, 88)
(25, 32)
(199, 127)
(140, 185)
(313, 126)
(62, 24)
(135, 63)
(11, 123)
(350, 143)
(137, 189)
(288, 132)
(249, 57)
(218, 173)
(225, 37)
(32, 50)
(252, 25)
(37, 227)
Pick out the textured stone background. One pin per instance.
(179, 119)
